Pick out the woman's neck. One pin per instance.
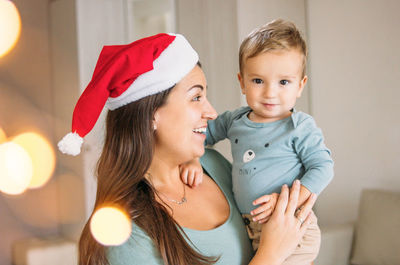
(163, 173)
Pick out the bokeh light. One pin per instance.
(10, 26)
(15, 168)
(3, 136)
(42, 155)
(110, 226)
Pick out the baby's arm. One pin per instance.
(217, 130)
(191, 173)
(267, 204)
(315, 157)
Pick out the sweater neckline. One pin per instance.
(227, 221)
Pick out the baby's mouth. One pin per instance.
(269, 105)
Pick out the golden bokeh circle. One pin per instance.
(3, 136)
(110, 226)
(15, 168)
(42, 155)
(10, 26)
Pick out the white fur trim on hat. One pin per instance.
(174, 63)
(71, 144)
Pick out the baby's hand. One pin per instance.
(191, 173)
(262, 213)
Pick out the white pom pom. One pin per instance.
(71, 144)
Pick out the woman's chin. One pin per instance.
(198, 152)
(201, 153)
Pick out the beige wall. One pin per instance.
(65, 92)
(25, 105)
(211, 27)
(31, 79)
(355, 64)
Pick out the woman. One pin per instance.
(156, 93)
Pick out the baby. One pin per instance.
(272, 143)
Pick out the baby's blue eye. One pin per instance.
(197, 98)
(257, 81)
(284, 82)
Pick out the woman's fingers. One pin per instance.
(305, 210)
(282, 201)
(305, 224)
(294, 197)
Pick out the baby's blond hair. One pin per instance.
(276, 35)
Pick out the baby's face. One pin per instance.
(272, 81)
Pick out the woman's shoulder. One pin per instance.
(138, 249)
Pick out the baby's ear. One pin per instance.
(302, 84)
(241, 82)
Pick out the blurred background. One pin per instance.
(353, 93)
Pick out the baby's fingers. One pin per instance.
(262, 208)
(262, 216)
(198, 178)
(262, 199)
(184, 175)
(190, 178)
(264, 220)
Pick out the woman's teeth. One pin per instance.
(200, 130)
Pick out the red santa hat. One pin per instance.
(126, 73)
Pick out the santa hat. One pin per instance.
(126, 73)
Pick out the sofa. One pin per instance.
(374, 239)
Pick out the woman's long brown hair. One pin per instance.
(126, 157)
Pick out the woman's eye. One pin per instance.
(197, 98)
(257, 81)
(284, 82)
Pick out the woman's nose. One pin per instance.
(209, 112)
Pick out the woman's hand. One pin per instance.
(283, 231)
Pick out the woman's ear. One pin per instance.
(155, 120)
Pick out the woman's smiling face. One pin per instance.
(181, 122)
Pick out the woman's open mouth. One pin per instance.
(201, 130)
